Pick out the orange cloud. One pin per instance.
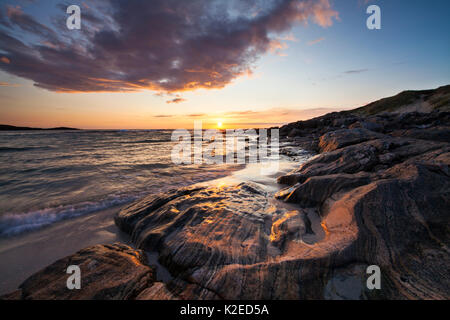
(5, 60)
(323, 14)
(7, 84)
(11, 11)
(276, 47)
(176, 100)
(289, 37)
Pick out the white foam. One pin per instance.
(16, 223)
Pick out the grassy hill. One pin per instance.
(408, 101)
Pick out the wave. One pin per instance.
(14, 224)
(151, 141)
(151, 166)
(14, 149)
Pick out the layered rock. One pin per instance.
(394, 190)
(114, 272)
(400, 220)
(337, 139)
(221, 242)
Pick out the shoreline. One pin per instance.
(23, 254)
(376, 194)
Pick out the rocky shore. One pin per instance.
(376, 193)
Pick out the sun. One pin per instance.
(219, 124)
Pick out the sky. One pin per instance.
(243, 63)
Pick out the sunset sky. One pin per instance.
(246, 63)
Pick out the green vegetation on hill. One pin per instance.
(437, 99)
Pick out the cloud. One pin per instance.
(250, 118)
(7, 84)
(160, 45)
(356, 71)
(289, 37)
(276, 47)
(364, 2)
(5, 60)
(195, 115)
(176, 100)
(27, 23)
(275, 115)
(255, 124)
(316, 41)
(163, 116)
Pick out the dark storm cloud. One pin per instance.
(3, 19)
(161, 45)
(28, 24)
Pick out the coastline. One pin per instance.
(24, 254)
(375, 194)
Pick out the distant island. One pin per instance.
(5, 127)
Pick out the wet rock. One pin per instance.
(214, 239)
(108, 272)
(317, 189)
(348, 283)
(233, 242)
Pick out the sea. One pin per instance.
(60, 190)
(49, 176)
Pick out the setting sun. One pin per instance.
(219, 124)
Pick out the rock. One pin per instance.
(233, 242)
(438, 133)
(158, 291)
(224, 242)
(368, 125)
(108, 272)
(295, 132)
(368, 156)
(394, 194)
(415, 120)
(345, 137)
(415, 206)
(317, 189)
(348, 283)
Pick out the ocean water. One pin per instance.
(60, 190)
(50, 176)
